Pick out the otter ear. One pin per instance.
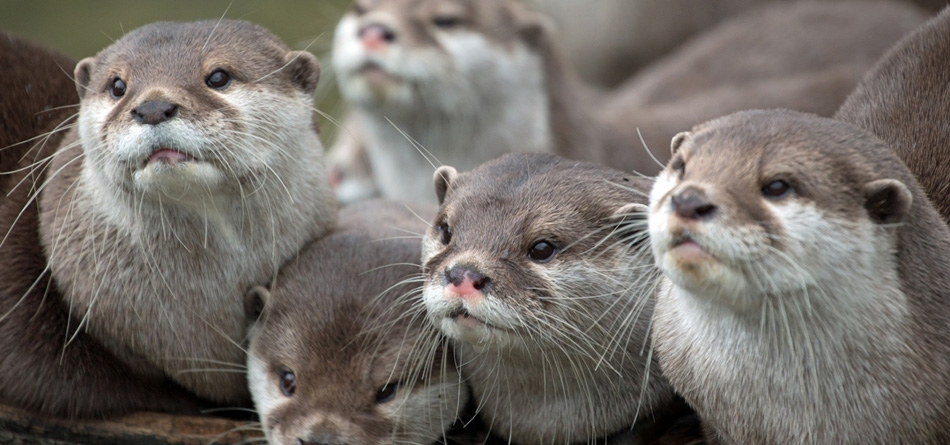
(533, 26)
(254, 302)
(304, 69)
(678, 141)
(632, 222)
(443, 178)
(82, 75)
(887, 201)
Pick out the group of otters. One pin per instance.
(175, 243)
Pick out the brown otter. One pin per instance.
(544, 297)
(333, 359)
(806, 290)
(905, 101)
(39, 371)
(459, 82)
(193, 173)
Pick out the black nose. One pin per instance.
(458, 274)
(378, 31)
(692, 203)
(154, 112)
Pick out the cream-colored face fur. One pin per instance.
(785, 315)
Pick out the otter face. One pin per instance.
(745, 210)
(532, 252)
(210, 120)
(436, 54)
(336, 383)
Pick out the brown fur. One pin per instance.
(537, 379)
(905, 100)
(805, 56)
(341, 318)
(39, 371)
(159, 276)
(853, 368)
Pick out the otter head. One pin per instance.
(775, 204)
(333, 359)
(532, 251)
(185, 111)
(441, 55)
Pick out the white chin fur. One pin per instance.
(263, 391)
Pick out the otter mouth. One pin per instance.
(688, 249)
(465, 318)
(169, 156)
(375, 73)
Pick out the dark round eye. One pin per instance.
(358, 9)
(542, 251)
(445, 233)
(219, 79)
(117, 89)
(776, 189)
(387, 392)
(288, 381)
(679, 166)
(446, 21)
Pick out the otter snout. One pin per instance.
(154, 112)
(692, 203)
(464, 280)
(376, 35)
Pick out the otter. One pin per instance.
(333, 359)
(39, 370)
(545, 298)
(193, 171)
(905, 99)
(459, 82)
(806, 290)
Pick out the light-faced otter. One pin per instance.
(545, 298)
(806, 289)
(456, 82)
(337, 357)
(194, 171)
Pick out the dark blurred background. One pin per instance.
(81, 28)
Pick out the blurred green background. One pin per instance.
(81, 28)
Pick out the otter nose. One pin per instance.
(376, 36)
(465, 281)
(692, 203)
(154, 112)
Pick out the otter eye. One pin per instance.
(445, 233)
(776, 189)
(358, 9)
(288, 381)
(387, 392)
(679, 166)
(542, 251)
(446, 21)
(117, 89)
(219, 79)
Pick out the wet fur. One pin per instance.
(567, 360)
(822, 318)
(341, 317)
(153, 260)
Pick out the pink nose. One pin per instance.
(375, 37)
(465, 281)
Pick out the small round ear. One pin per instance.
(678, 141)
(632, 222)
(443, 178)
(887, 201)
(533, 27)
(304, 69)
(254, 302)
(82, 75)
